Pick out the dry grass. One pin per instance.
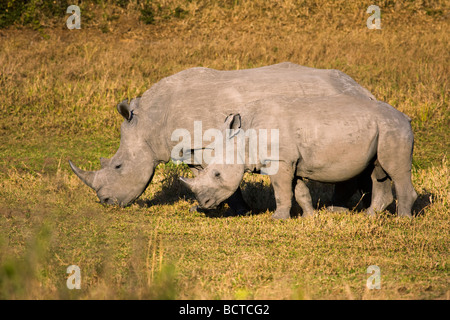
(58, 89)
(164, 251)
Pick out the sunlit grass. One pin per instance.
(58, 94)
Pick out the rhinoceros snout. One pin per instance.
(207, 203)
(108, 201)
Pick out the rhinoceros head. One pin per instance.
(126, 175)
(221, 178)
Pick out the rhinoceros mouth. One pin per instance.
(108, 201)
(111, 201)
(209, 204)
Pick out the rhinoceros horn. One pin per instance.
(187, 181)
(86, 176)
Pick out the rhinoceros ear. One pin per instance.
(125, 110)
(233, 125)
(233, 121)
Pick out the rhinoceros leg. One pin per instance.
(282, 187)
(381, 190)
(406, 195)
(303, 198)
(394, 155)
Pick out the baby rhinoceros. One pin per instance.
(331, 140)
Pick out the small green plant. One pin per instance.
(147, 14)
(10, 12)
(180, 12)
(19, 276)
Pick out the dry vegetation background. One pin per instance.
(58, 91)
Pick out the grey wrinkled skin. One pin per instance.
(197, 94)
(327, 139)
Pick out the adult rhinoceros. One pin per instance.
(198, 94)
(331, 139)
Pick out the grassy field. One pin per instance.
(58, 91)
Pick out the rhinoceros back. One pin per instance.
(208, 95)
(213, 90)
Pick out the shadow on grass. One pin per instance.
(423, 201)
(171, 192)
(259, 195)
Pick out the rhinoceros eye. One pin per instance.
(118, 166)
(216, 174)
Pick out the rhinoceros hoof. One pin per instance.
(371, 212)
(308, 214)
(281, 215)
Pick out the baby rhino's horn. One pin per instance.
(187, 181)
